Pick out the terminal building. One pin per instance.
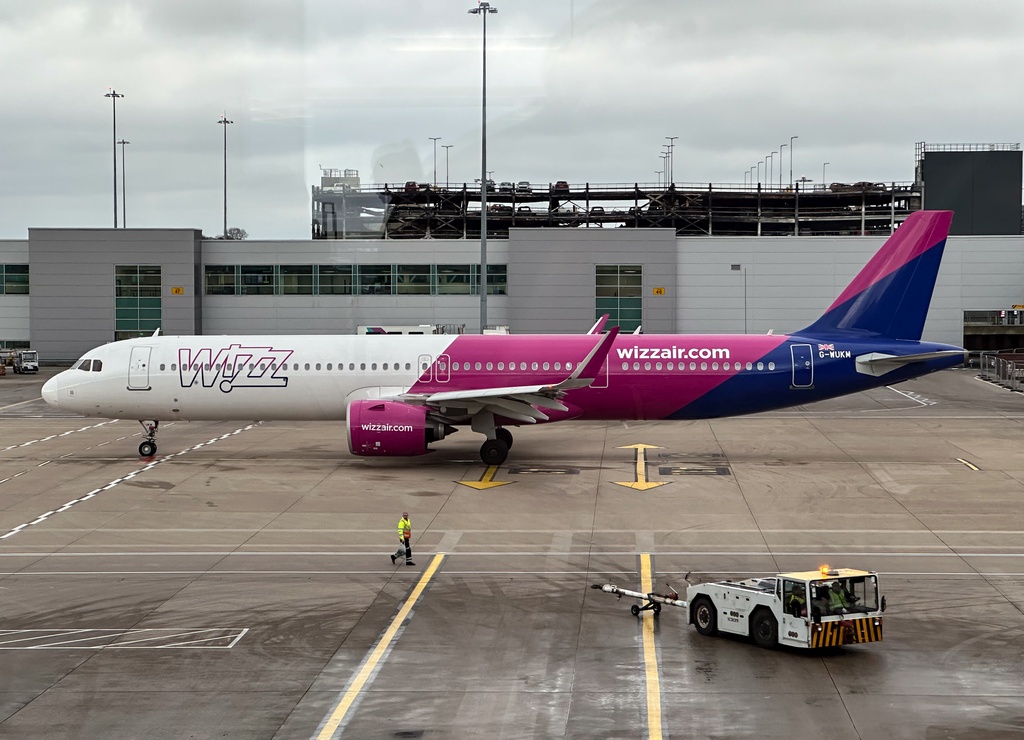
(679, 259)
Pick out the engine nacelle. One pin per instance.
(390, 428)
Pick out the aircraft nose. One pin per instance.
(50, 388)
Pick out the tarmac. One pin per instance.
(239, 583)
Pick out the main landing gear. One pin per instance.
(148, 446)
(495, 451)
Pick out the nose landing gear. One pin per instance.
(148, 446)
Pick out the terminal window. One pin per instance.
(619, 293)
(427, 279)
(137, 300)
(13, 279)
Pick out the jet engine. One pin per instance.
(391, 428)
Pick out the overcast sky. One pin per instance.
(580, 90)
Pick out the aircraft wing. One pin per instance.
(523, 403)
(879, 363)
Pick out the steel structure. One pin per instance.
(419, 210)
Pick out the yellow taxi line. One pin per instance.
(339, 711)
(650, 654)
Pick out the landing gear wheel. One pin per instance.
(493, 452)
(705, 616)
(148, 446)
(634, 610)
(766, 631)
(656, 608)
(504, 435)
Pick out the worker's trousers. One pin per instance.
(404, 547)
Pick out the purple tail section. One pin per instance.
(891, 295)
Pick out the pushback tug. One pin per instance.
(827, 607)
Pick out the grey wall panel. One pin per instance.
(559, 266)
(72, 283)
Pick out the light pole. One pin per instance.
(483, 9)
(446, 147)
(666, 160)
(780, 164)
(791, 138)
(114, 95)
(671, 158)
(124, 199)
(768, 168)
(658, 173)
(224, 122)
(823, 174)
(759, 163)
(434, 139)
(751, 170)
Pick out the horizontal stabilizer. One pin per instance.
(879, 363)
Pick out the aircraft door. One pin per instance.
(138, 369)
(442, 369)
(803, 366)
(424, 366)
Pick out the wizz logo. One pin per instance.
(234, 367)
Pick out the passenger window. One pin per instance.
(478, 366)
(546, 366)
(647, 366)
(501, 366)
(373, 366)
(625, 366)
(670, 366)
(362, 365)
(408, 366)
(760, 366)
(568, 366)
(714, 365)
(750, 366)
(161, 367)
(174, 366)
(490, 366)
(318, 366)
(657, 366)
(636, 365)
(522, 365)
(558, 366)
(771, 365)
(330, 365)
(703, 366)
(693, 365)
(384, 366)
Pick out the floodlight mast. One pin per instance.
(483, 9)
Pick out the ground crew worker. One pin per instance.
(796, 604)
(837, 599)
(404, 540)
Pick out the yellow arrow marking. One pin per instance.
(641, 483)
(486, 480)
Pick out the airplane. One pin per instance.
(401, 393)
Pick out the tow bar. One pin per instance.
(651, 601)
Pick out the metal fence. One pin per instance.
(1005, 369)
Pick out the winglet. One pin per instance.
(587, 370)
(598, 327)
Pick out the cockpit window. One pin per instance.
(86, 365)
(97, 365)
